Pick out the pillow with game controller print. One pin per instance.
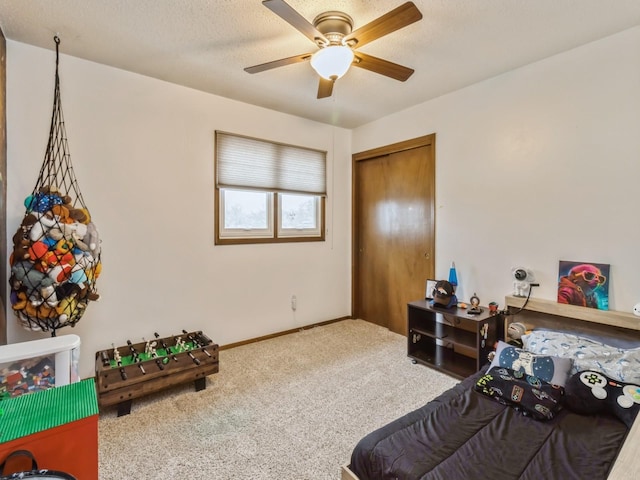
(530, 395)
(589, 392)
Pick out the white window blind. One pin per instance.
(244, 162)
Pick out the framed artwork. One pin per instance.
(585, 284)
(428, 294)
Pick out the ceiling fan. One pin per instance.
(332, 32)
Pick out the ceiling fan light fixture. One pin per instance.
(332, 62)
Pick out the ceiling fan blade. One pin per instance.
(288, 14)
(278, 63)
(383, 67)
(396, 19)
(325, 87)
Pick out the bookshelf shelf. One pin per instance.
(603, 317)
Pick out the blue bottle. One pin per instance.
(453, 276)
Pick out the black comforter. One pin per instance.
(463, 435)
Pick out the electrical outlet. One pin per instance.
(294, 303)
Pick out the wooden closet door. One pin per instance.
(393, 230)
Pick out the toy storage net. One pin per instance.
(56, 250)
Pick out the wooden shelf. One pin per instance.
(445, 360)
(450, 340)
(593, 315)
(448, 334)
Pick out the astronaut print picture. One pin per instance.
(585, 284)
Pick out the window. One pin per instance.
(299, 215)
(268, 192)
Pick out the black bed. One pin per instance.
(563, 406)
(465, 435)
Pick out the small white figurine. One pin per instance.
(522, 280)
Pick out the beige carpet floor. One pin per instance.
(288, 408)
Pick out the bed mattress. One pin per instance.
(465, 435)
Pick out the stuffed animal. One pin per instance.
(26, 322)
(59, 273)
(48, 294)
(46, 311)
(39, 311)
(42, 223)
(73, 232)
(92, 296)
(31, 310)
(50, 189)
(84, 259)
(79, 215)
(41, 257)
(78, 276)
(21, 246)
(25, 276)
(92, 239)
(42, 201)
(64, 250)
(62, 246)
(94, 272)
(68, 308)
(72, 290)
(61, 213)
(18, 300)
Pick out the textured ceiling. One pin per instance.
(206, 44)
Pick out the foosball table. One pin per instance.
(137, 369)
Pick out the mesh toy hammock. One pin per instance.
(56, 250)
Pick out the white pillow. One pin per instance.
(618, 363)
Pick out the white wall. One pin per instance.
(533, 166)
(142, 151)
(538, 165)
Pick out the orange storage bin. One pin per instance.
(58, 426)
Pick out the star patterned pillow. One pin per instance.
(554, 370)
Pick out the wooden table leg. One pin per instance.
(200, 383)
(124, 408)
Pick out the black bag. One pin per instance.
(34, 472)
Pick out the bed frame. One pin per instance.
(347, 474)
(550, 314)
